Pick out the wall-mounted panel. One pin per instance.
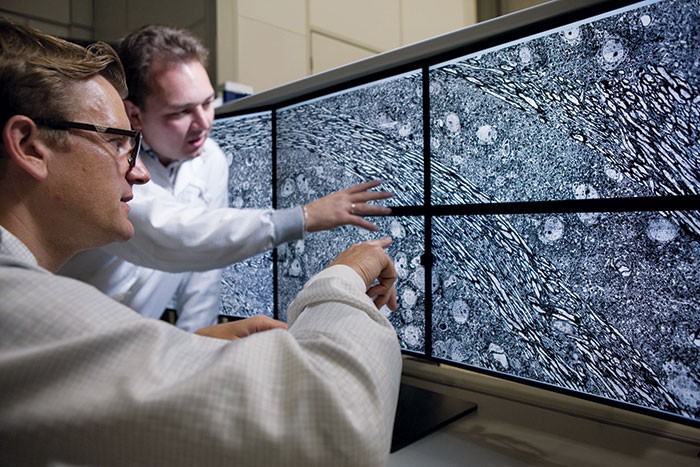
(277, 57)
(422, 20)
(328, 53)
(285, 14)
(371, 23)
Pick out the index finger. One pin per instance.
(365, 196)
(364, 186)
(383, 242)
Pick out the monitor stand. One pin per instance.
(420, 412)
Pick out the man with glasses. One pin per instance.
(133, 136)
(182, 219)
(85, 380)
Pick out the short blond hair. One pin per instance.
(38, 71)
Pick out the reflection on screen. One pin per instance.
(247, 144)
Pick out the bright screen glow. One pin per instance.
(528, 282)
(605, 304)
(372, 132)
(246, 288)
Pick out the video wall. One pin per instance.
(546, 203)
(246, 288)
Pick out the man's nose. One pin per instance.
(138, 174)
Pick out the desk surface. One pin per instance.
(508, 433)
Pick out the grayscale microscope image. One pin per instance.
(298, 261)
(602, 303)
(526, 284)
(373, 132)
(246, 288)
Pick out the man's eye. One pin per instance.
(120, 144)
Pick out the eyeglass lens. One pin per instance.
(135, 150)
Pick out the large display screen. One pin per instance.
(300, 260)
(247, 286)
(605, 304)
(546, 200)
(371, 132)
(608, 309)
(600, 108)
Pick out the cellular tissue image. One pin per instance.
(298, 261)
(600, 303)
(373, 132)
(607, 108)
(605, 303)
(247, 286)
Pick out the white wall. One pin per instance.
(65, 18)
(266, 43)
(109, 20)
(115, 18)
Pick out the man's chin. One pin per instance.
(184, 155)
(125, 233)
(195, 153)
(118, 234)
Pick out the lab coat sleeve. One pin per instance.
(197, 300)
(199, 294)
(86, 381)
(175, 236)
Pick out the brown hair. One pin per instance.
(142, 48)
(38, 71)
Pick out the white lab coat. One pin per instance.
(182, 224)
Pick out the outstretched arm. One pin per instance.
(346, 207)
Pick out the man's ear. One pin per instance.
(134, 114)
(22, 144)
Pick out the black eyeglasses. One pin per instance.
(64, 125)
